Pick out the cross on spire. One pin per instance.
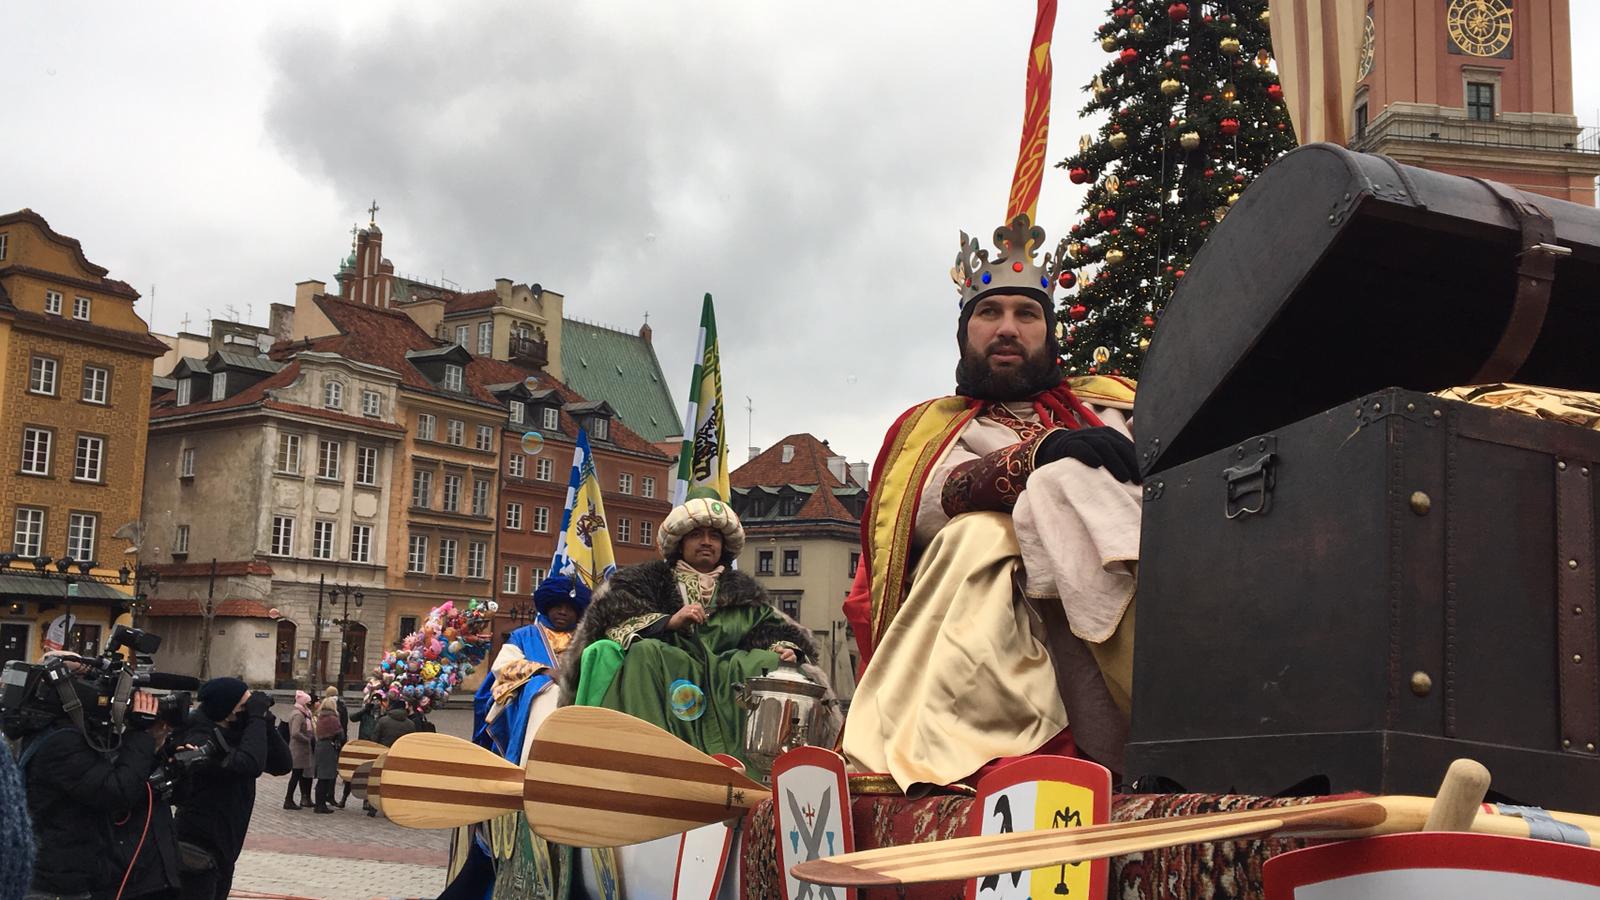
(647, 317)
(372, 213)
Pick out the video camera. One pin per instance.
(93, 692)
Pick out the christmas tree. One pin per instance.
(1195, 113)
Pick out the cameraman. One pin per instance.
(233, 727)
(102, 831)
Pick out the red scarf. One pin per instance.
(1057, 407)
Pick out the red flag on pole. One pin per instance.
(1036, 118)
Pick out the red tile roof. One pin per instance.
(229, 608)
(472, 300)
(824, 505)
(809, 465)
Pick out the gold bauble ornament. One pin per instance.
(1061, 331)
(1219, 213)
(1144, 343)
(1229, 45)
(1118, 140)
(1170, 86)
(1232, 199)
(1229, 92)
(1109, 43)
(1084, 143)
(1077, 250)
(1265, 18)
(1189, 140)
(1099, 88)
(1112, 185)
(1114, 257)
(1263, 58)
(1101, 355)
(1136, 24)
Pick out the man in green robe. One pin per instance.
(667, 641)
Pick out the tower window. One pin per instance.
(1480, 101)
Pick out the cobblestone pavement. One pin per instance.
(345, 855)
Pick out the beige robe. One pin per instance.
(963, 674)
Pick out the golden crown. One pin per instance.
(1014, 270)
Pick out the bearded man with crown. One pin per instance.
(994, 603)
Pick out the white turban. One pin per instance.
(701, 513)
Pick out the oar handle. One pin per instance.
(1460, 796)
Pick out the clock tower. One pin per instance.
(1476, 87)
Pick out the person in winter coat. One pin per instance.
(216, 801)
(301, 722)
(16, 832)
(329, 738)
(368, 715)
(395, 724)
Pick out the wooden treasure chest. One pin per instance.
(1343, 574)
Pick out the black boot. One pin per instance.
(305, 791)
(324, 796)
(345, 795)
(288, 799)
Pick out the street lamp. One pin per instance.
(346, 657)
(142, 576)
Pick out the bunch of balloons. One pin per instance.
(451, 642)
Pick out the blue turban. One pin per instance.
(561, 589)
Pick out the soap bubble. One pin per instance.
(531, 382)
(533, 443)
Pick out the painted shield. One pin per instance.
(1435, 865)
(703, 853)
(1037, 793)
(811, 807)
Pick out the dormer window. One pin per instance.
(552, 418)
(518, 412)
(185, 387)
(452, 377)
(600, 428)
(333, 395)
(219, 386)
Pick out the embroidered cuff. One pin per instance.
(629, 630)
(991, 482)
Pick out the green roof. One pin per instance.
(620, 368)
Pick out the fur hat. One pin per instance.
(561, 589)
(701, 513)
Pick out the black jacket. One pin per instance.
(77, 796)
(216, 799)
(393, 726)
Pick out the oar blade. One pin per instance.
(354, 753)
(375, 784)
(437, 781)
(361, 778)
(600, 778)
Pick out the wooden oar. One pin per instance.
(601, 778)
(975, 857)
(375, 784)
(437, 781)
(355, 753)
(359, 780)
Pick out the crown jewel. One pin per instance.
(1014, 270)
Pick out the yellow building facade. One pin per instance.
(75, 363)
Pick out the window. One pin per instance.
(647, 487)
(485, 338)
(322, 540)
(789, 602)
(42, 376)
(1480, 101)
(480, 497)
(36, 451)
(371, 404)
(535, 577)
(421, 488)
(791, 562)
(519, 412)
(541, 519)
(855, 560)
(29, 538)
(624, 530)
(52, 302)
(461, 334)
(289, 454)
(542, 469)
(485, 439)
(367, 465)
(763, 562)
(80, 535)
(452, 493)
(645, 529)
(89, 462)
(477, 554)
(452, 377)
(96, 382)
(455, 432)
(425, 427)
(509, 581)
(517, 466)
(328, 459)
(1361, 120)
(185, 391)
(2, 245)
(416, 561)
(408, 625)
(625, 483)
(333, 395)
(447, 556)
(361, 543)
(219, 386)
(186, 463)
(552, 419)
(600, 428)
(282, 536)
(180, 542)
(513, 516)
(80, 311)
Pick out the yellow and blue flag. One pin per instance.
(583, 549)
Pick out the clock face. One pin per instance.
(1479, 27)
(1369, 39)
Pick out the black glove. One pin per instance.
(258, 704)
(1103, 448)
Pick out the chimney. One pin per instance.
(858, 473)
(754, 452)
(788, 452)
(645, 332)
(280, 321)
(837, 467)
(305, 290)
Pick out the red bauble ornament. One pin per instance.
(1115, 231)
(1211, 173)
(1178, 274)
(1207, 18)
(1206, 97)
(1275, 91)
(1152, 218)
(1229, 127)
(1128, 56)
(1282, 127)
(1078, 311)
(1183, 58)
(1149, 321)
(1067, 279)
(1078, 175)
(1238, 179)
(1139, 231)
(1177, 12)
(1205, 223)
(1107, 216)
(1130, 182)
(1121, 12)
(1184, 67)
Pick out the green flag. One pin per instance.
(703, 460)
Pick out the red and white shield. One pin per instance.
(1435, 866)
(811, 807)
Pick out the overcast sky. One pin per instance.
(808, 164)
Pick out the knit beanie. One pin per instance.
(219, 696)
